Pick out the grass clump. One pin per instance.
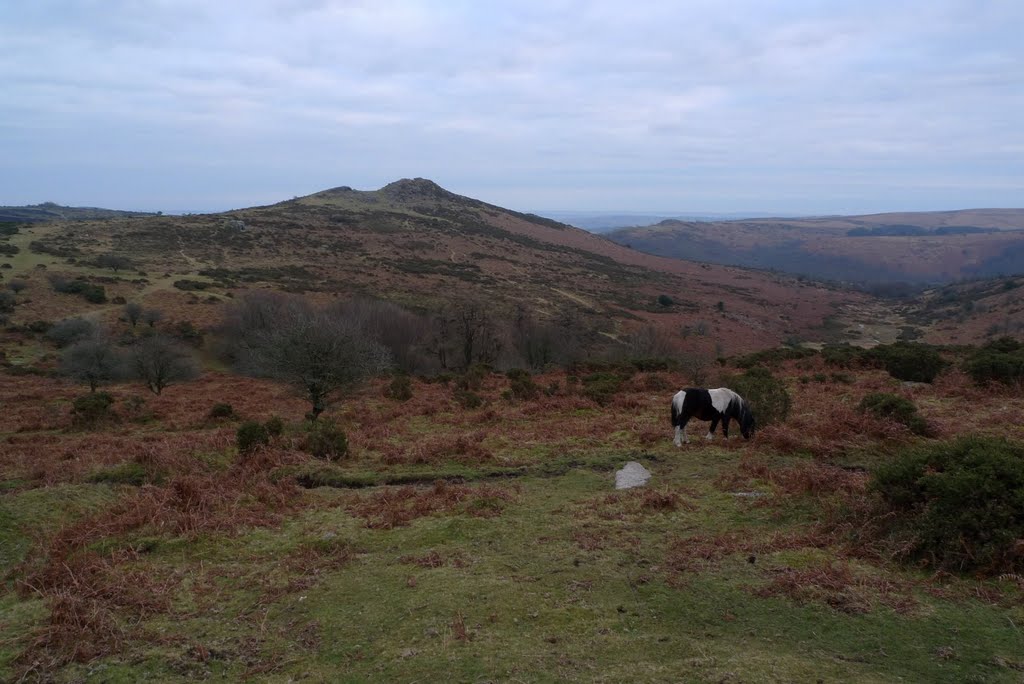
(250, 436)
(126, 473)
(884, 405)
(956, 505)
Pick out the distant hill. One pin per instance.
(419, 245)
(919, 248)
(49, 211)
(603, 222)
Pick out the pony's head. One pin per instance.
(746, 420)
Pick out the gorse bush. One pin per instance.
(467, 399)
(1000, 360)
(274, 426)
(882, 405)
(221, 410)
(601, 387)
(767, 395)
(92, 409)
(250, 436)
(94, 294)
(908, 361)
(399, 389)
(956, 505)
(523, 388)
(325, 439)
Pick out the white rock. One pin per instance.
(632, 475)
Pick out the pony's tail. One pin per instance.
(675, 413)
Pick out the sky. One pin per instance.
(780, 106)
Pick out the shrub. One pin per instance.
(843, 355)
(767, 395)
(523, 388)
(92, 409)
(909, 361)
(325, 439)
(127, 473)
(882, 405)
(601, 387)
(71, 330)
(1000, 360)
(7, 301)
(665, 301)
(957, 505)
(773, 357)
(251, 435)
(467, 399)
(399, 389)
(221, 410)
(95, 294)
(473, 379)
(274, 426)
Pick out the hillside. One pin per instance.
(420, 246)
(50, 211)
(917, 248)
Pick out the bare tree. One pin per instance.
(466, 333)
(71, 330)
(159, 362)
(319, 353)
(648, 343)
(245, 318)
(152, 316)
(401, 331)
(93, 361)
(536, 341)
(114, 262)
(133, 313)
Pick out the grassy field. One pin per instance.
(476, 545)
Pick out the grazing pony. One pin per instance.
(715, 405)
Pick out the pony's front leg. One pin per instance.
(711, 430)
(725, 427)
(681, 434)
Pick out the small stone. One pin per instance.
(632, 475)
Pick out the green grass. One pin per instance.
(518, 596)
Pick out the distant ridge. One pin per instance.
(51, 211)
(903, 247)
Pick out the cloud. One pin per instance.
(563, 103)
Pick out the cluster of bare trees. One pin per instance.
(90, 355)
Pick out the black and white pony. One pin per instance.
(720, 404)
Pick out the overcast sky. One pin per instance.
(796, 106)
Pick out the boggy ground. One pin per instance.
(478, 544)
